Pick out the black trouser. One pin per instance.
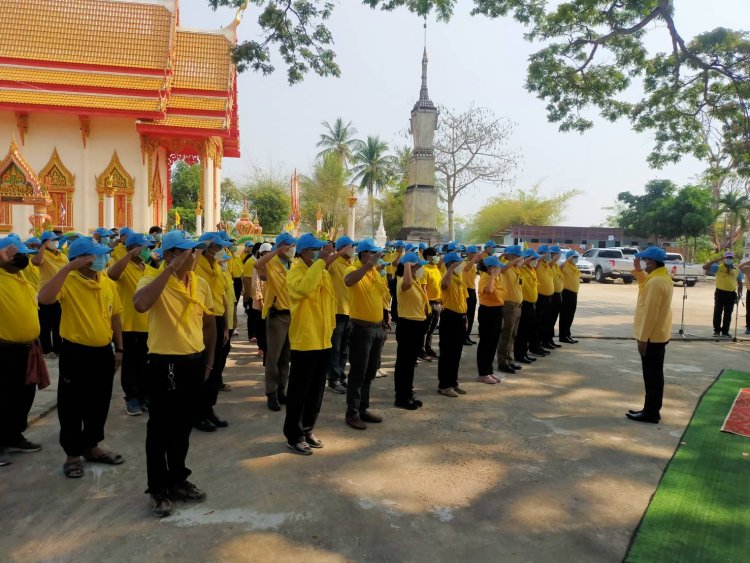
(339, 350)
(452, 331)
(409, 337)
(209, 392)
(430, 324)
(84, 391)
(49, 323)
(256, 317)
(304, 392)
(543, 306)
(174, 385)
(365, 345)
(133, 375)
(526, 328)
(554, 313)
(567, 312)
(723, 304)
(471, 307)
(653, 377)
(490, 327)
(251, 320)
(16, 397)
(237, 288)
(394, 299)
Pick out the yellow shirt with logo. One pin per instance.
(215, 279)
(530, 285)
(432, 278)
(19, 318)
(366, 299)
(175, 322)
(412, 303)
(454, 298)
(87, 309)
(132, 320)
(571, 277)
(544, 276)
(50, 266)
(512, 284)
(276, 291)
(726, 279)
(653, 313)
(338, 270)
(494, 299)
(469, 276)
(312, 306)
(557, 277)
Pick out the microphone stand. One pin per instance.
(682, 332)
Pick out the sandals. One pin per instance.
(73, 470)
(108, 458)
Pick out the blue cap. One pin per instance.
(224, 257)
(490, 244)
(86, 245)
(368, 245)
(493, 261)
(544, 249)
(389, 244)
(341, 242)
(178, 239)
(225, 236)
(412, 258)
(138, 239)
(285, 238)
(653, 253)
(570, 254)
(472, 249)
(214, 238)
(454, 246)
(382, 262)
(531, 253)
(125, 231)
(14, 240)
(514, 250)
(399, 244)
(49, 235)
(33, 240)
(308, 240)
(422, 246)
(103, 232)
(555, 249)
(452, 257)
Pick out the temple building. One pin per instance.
(98, 99)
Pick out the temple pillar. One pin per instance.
(198, 222)
(217, 190)
(85, 197)
(140, 208)
(352, 217)
(109, 210)
(208, 193)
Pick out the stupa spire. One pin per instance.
(424, 96)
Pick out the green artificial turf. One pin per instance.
(701, 508)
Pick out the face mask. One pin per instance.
(436, 259)
(20, 261)
(100, 262)
(316, 255)
(349, 252)
(728, 262)
(157, 237)
(154, 257)
(233, 248)
(53, 245)
(574, 260)
(290, 253)
(547, 258)
(382, 272)
(459, 268)
(105, 241)
(534, 263)
(145, 255)
(420, 272)
(223, 266)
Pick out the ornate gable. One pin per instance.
(18, 182)
(115, 178)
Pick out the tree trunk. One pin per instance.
(451, 227)
(371, 205)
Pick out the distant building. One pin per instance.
(572, 237)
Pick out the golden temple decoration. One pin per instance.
(18, 182)
(115, 178)
(22, 122)
(248, 222)
(60, 185)
(85, 127)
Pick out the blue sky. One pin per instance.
(472, 60)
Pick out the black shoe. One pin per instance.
(160, 504)
(529, 359)
(643, 417)
(23, 445)
(205, 425)
(515, 366)
(300, 448)
(554, 344)
(281, 396)
(424, 357)
(468, 342)
(409, 405)
(506, 368)
(568, 340)
(548, 347)
(633, 411)
(367, 416)
(417, 401)
(525, 360)
(313, 441)
(343, 383)
(187, 492)
(216, 421)
(430, 352)
(539, 352)
(273, 402)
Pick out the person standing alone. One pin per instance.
(728, 291)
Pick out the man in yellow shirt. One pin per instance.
(571, 283)
(652, 328)
(512, 284)
(126, 273)
(490, 317)
(557, 287)
(727, 293)
(452, 325)
(31, 272)
(248, 266)
(181, 342)
(432, 278)
(313, 317)
(49, 260)
(19, 328)
(545, 277)
(272, 268)
(399, 248)
(366, 340)
(527, 322)
(89, 326)
(339, 266)
(119, 243)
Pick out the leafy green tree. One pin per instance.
(373, 170)
(522, 208)
(338, 139)
(734, 206)
(326, 190)
(649, 214)
(186, 183)
(268, 196)
(231, 200)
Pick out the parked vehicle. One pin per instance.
(610, 263)
(682, 272)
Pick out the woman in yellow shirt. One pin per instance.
(452, 325)
(490, 317)
(412, 313)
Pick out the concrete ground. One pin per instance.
(543, 467)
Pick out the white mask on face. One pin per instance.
(53, 245)
(534, 263)
(547, 258)
(349, 252)
(420, 272)
(574, 260)
(290, 253)
(436, 259)
(459, 268)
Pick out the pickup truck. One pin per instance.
(610, 263)
(687, 274)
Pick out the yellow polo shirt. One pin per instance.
(236, 267)
(571, 277)
(175, 322)
(653, 312)
(494, 299)
(31, 274)
(469, 276)
(51, 265)
(118, 252)
(338, 270)
(557, 277)
(512, 284)
(544, 276)
(386, 292)
(412, 303)
(248, 266)
(366, 300)
(432, 278)
(390, 268)
(530, 285)
(726, 279)
(132, 320)
(454, 298)
(276, 291)
(312, 306)
(87, 309)
(215, 279)
(18, 309)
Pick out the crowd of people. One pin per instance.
(163, 308)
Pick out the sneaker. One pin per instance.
(313, 441)
(486, 379)
(133, 407)
(380, 373)
(716, 334)
(726, 335)
(161, 505)
(449, 392)
(187, 492)
(4, 457)
(337, 388)
(24, 446)
(300, 448)
(459, 390)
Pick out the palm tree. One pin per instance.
(339, 140)
(373, 170)
(735, 207)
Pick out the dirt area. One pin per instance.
(543, 467)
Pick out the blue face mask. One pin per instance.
(316, 255)
(105, 241)
(100, 263)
